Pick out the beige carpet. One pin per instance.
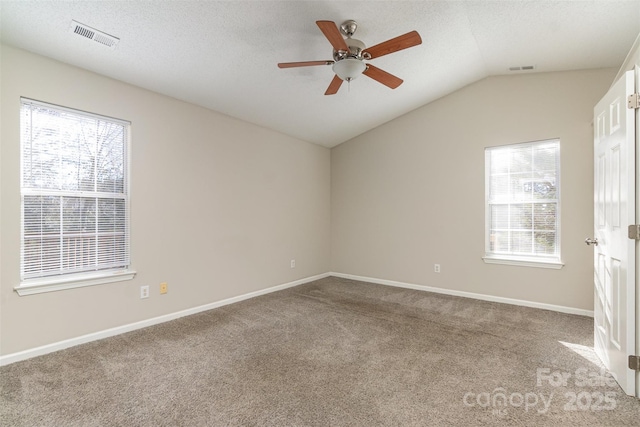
(333, 352)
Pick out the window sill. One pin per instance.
(59, 283)
(524, 262)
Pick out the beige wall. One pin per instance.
(410, 193)
(632, 59)
(219, 206)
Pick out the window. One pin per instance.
(522, 204)
(75, 198)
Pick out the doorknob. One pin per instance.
(590, 241)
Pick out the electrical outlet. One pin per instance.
(144, 291)
(163, 288)
(293, 263)
(436, 268)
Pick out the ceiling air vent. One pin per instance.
(93, 34)
(523, 68)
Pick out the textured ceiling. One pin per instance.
(223, 55)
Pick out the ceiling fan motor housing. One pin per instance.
(356, 51)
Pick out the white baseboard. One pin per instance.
(559, 308)
(61, 345)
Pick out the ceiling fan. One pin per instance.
(349, 55)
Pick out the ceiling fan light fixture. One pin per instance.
(349, 68)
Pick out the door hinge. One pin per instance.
(634, 232)
(633, 101)
(634, 363)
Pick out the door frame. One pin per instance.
(637, 279)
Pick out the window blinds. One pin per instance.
(75, 205)
(522, 199)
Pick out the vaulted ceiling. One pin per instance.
(223, 55)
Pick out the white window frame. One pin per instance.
(36, 285)
(553, 262)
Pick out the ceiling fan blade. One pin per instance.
(303, 64)
(334, 85)
(382, 76)
(332, 33)
(398, 43)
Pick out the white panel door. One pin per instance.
(614, 211)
